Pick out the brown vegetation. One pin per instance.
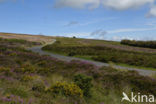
(33, 38)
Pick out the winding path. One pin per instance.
(39, 50)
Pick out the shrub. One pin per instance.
(27, 78)
(44, 71)
(5, 70)
(71, 54)
(146, 44)
(12, 99)
(12, 54)
(105, 54)
(84, 82)
(38, 86)
(66, 89)
(27, 68)
(18, 91)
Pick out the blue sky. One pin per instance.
(100, 19)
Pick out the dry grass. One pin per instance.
(34, 38)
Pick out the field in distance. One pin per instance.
(104, 51)
(34, 38)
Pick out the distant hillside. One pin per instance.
(29, 78)
(34, 38)
(145, 44)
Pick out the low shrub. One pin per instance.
(27, 68)
(105, 54)
(145, 44)
(27, 78)
(85, 83)
(6, 71)
(18, 91)
(38, 86)
(66, 89)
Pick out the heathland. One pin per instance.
(104, 51)
(30, 78)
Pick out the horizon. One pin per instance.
(91, 19)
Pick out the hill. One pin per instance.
(30, 78)
(104, 51)
(34, 38)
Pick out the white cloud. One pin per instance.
(119, 38)
(125, 4)
(114, 4)
(99, 33)
(152, 12)
(77, 3)
(130, 30)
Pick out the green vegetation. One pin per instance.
(97, 51)
(84, 82)
(18, 42)
(29, 78)
(145, 44)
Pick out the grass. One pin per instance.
(79, 41)
(137, 67)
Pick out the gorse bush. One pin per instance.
(145, 44)
(66, 89)
(85, 83)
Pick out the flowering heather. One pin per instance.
(12, 99)
(83, 65)
(27, 77)
(7, 78)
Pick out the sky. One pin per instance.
(98, 19)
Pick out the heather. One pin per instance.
(29, 78)
(95, 50)
(144, 44)
(18, 42)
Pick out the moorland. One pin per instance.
(30, 78)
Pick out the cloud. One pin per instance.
(98, 33)
(125, 4)
(119, 38)
(152, 12)
(71, 23)
(119, 5)
(130, 30)
(91, 4)
(77, 3)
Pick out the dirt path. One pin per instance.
(66, 58)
